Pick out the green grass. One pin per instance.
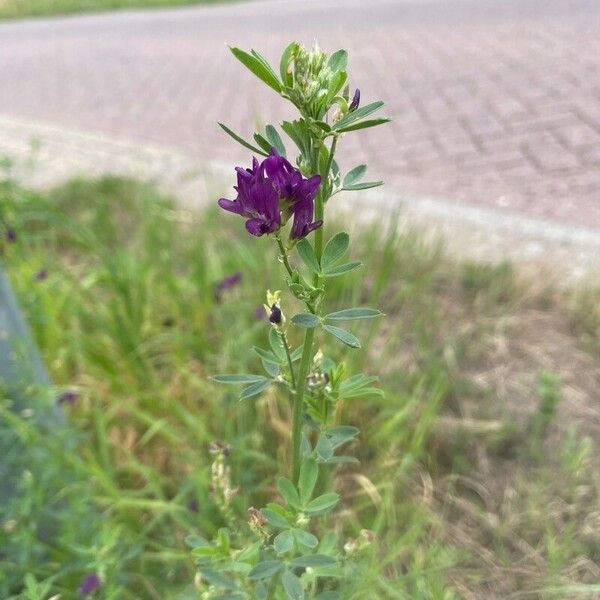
(12, 9)
(473, 485)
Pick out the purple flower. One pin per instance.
(259, 312)
(257, 200)
(11, 235)
(193, 506)
(270, 192)
(355, 101)
(275, 316)
(303, 209)
(227, 283)
(41, 275)
(91, 582)
(68, 397)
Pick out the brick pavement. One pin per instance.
(495, 104)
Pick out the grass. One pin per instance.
(478, 469)
(15, 9)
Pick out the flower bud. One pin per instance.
(355, 101)
(276, 316)
(256, 519)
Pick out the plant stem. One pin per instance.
(286, 263)
(298, 404)
(321, 198)
(284, 255)
(289, 358)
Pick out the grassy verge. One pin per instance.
(478, 472)
(14, 9)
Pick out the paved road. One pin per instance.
(495, 103)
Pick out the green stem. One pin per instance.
(284, 255)
(286, 263)
(298, 404)
(320, 206)
(289, 358)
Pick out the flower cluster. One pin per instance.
(270, 193)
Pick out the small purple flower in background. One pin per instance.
(355, 101)
(68, 397)
(227, 283)
(91, 582)
(41, 275)
(193, 506)
(10, 235)
(269, 189)
(259, 312)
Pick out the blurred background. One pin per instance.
(480, 471)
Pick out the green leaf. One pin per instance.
(336, 83)
(354, 175)
(275, 519)
(263, 142)
(342, 269)
(297, 353)
(308, 256)
(286, 77)
(205, 551)
(277, 345)
(255, 63)
(358, 386)
(334, 250)
(268, 356)
(265, 569)
(322, 504)
(309, 472)
(344, 336)
(196, 541)
(254, 389)
(274, 139)
(357, 114)
(363, 392)
(336, 460)
(328, 596)
(313, 560)
(352, 314)
(342, 434)
(292, 586)
(362, 186)
(270, 367)
(242, 141)
(338, 61)
(299, 134)
(249, 553)
(289, 492)
(238, 379)
(217, 579)
(224, 539)
(363, 125)
(306, 320)
(283, 542)
(305, 538)
(324, 448)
